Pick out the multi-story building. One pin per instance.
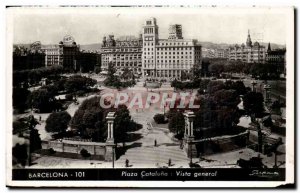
(277, 58)
(53, 55)
(248, 53)
(168, 58)
(122, 53)
(221, 53)
(70, 53)
(65, 53)
(208, 53)
(214, 53)
(175, 32)
(88, 61)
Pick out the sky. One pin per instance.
(89, 27)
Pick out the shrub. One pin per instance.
(97, 70)
(84, 153)
(80, 93)
(51, 151)
(159, 118)
(69, 97)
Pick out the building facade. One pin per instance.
(249, 53)
(221, 53)
(66, 53)
(88, 61)
(168, 58)
(277, 58)
(215, 53)
(53, 55)
(123, 53)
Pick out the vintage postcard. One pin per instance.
(150, 96)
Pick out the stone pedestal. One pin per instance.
(267, 89)
(190, 148)
(110, 152)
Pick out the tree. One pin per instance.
(203, 86)
(127, 74)
(41, 99)
(253, 103)
(159, 118)
(228, 98)
(78, 83)
(177, 123)
(20, 96)
(123, 123)
(90, 121)
(214, 86)
(58, 122)
(216, 68)
(20, 155)
(196, 72)
(238, 86)
(35, 140)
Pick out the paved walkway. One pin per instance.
(144, 154)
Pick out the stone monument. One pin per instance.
(110, 142)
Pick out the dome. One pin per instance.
(60, 42)
(256, 44)
(243, 45)
(74, 43)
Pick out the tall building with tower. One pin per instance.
(175, 32)
(249, 53)
(168, 58)
(277, 58)
(65, 53)
(150, 56)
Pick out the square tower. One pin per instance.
(150, 39)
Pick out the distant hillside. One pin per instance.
(210, 45)
(224, 45)
(90, 46)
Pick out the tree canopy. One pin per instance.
(58, 122)
(78, 83)
(90, 121)
(253, 103)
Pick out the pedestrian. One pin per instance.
(126, 163)
(155, 143)
(170, 162)
(40, 118)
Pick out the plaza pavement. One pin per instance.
(142, 153)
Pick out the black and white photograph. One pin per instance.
(166, 96)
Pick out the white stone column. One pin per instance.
(192, 128)
(112, 130)
(108, 129)
(189, 128)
